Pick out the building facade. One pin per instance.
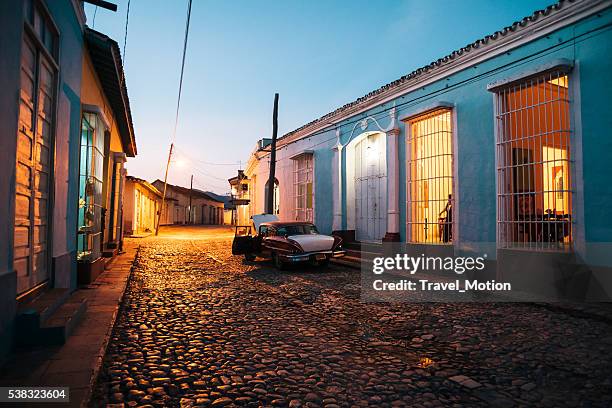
(496, 149)
(47, 73)
(192, 206)
(240, 199)
(107, 139)
(141, 204)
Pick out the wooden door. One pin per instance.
(33, 169)
(370, 188)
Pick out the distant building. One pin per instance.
(204, 209)
(228, 207)
(240, 199)
(141, 203)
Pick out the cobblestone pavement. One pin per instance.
(200, 327)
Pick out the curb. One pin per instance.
(102, 352)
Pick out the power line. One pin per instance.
(178, 102)
(204, 162)
(403, 106)
(94, 17)
(127, 21)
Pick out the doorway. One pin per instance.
(369, 185)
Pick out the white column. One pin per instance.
(393, 221)
(337, 188)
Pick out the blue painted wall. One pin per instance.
(588, 43)
(66, 134)
(67, 146)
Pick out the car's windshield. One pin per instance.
(297, 230)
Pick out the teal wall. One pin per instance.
(66, 129)
(588, 43)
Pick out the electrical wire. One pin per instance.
(180, 89)
(176, 118)
(127, 21)
(191, 158)
(223, 186)
(414, 101)
(94, 17)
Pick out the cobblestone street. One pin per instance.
(200, 327)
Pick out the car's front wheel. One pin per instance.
(278, 263)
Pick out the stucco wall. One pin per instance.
(128, 206)
(92, 93)
(180, 206)
(67, 136)
(588, 43)
(66, 131)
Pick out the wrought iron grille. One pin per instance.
(430, 198)
(534, 197)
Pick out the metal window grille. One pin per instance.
(534, 197)
(303, 187)
(430, 179)
(90, 186)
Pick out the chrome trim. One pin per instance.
(307, 255)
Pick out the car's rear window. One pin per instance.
(297, 230)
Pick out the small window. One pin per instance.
(534, 198)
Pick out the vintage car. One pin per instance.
(285, 242)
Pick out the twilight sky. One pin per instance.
(317, 54)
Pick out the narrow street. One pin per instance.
(200, 327)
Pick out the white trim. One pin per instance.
(350, 179)
(427, 109)
(79, 11)
(300, 154)
(560, 64)
(536, 29)
(577, 159)
(95, 109)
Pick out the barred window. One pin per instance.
(303, 187)
(430, 178)
(91, 177)
(534, 198)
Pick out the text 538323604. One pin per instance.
(34, 394)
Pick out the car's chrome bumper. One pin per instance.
(312, 256)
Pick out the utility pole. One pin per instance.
(271, 184)
(190, 194)
(161, 209)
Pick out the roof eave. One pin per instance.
(106, 58)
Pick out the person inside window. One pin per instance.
(446, 222)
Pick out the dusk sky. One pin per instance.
(318, 55)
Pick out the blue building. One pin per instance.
(500, 148)
(61, 160)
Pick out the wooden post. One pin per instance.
(190, 194)
(271, 184)
(161, 209)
